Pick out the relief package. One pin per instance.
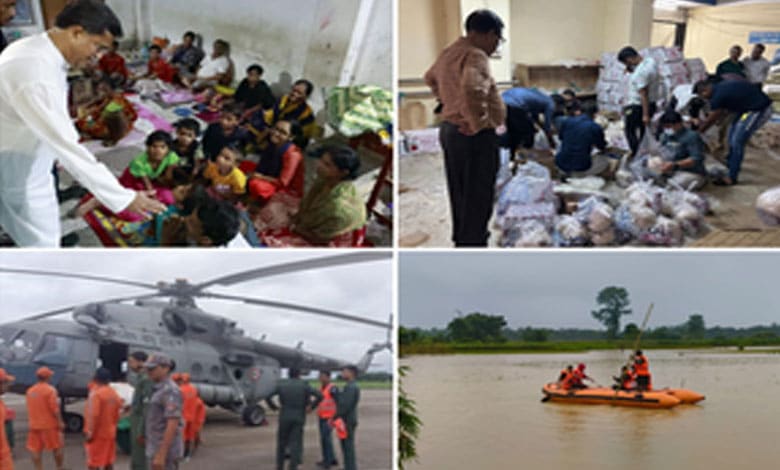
(533, 233)
(569, 232)
(768, 206)
(665, 232)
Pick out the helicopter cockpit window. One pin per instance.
(24, 344)
(6, 333)
(55, 350)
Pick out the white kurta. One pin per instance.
(36, 130)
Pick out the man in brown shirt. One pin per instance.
(471, 109)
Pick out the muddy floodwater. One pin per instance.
(484, 412)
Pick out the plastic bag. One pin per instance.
(531, 185)
(665, 232)
(569, 232)
(604, 238)
(768, 206)
(533, 233)
(688, 217)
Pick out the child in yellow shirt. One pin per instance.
(226, 180)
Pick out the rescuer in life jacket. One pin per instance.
(565, 377)
(578, 375)
(642, 371)
(626, 380)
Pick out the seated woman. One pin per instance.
(214, 71)
(291, 107)
(109, 118)
(331, 213)
(281, 165)
(150, 171)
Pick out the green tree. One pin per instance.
(631, 331)
(694, 327)
(613, 304)
(477, 327)
(408, 335)
(537, 335)
(409, 423)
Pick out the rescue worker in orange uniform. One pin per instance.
(100, 425)
(6, 460)
(626, 379)
(326, 411)
(200, 419)
(578, 375)
(566, 377)
(642, 371)
(189, 395)
(45, 420)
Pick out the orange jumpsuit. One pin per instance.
(6, 461)
(200, 416)
(189, 396)
(43, 409)
(104, 407)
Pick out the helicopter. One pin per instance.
(229, 368)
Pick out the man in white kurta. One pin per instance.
(36, 130)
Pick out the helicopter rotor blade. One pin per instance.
(59, 311)
(303, 265)
(301, 308)
(79, 276)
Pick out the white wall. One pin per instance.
(291, 39)
(375, 64)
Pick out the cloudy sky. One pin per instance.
(559, 289)
(360, 289)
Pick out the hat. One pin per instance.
(581, 366)
(44, 372)
(176, 377)
(185, 377)
(5, 376)
(156, 360)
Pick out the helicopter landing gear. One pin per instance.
(74, 422)
(253, 415)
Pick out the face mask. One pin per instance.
(669, 132)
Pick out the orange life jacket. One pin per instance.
(641, 366)
(568, 379)
(340, 426)
(628, 379)
(327, 407)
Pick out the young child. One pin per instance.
(109, 118)
(204, 221)
(253, 92)
(227, 181)
(150, 171)
(112, 65)
(186, 144)
(225, 132)
(157, 67)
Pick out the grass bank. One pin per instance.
(525, 347)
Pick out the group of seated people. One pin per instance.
(633, 377)
(246, 168)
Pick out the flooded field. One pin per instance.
(484, 411)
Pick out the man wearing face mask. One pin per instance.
(471, 110)
(686, 168)
(644, 89)
(36, 129)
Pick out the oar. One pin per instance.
(641, 330)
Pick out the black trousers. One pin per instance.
(520, 129)
(471, 164)
(634, 128)
(643, 382)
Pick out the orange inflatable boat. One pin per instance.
(608, 396)
(686, 397)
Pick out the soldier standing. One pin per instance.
(346, 406)
(296, 398)
(141, 395)
(163, 431)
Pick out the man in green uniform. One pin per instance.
(346, 409)
(141, 395)
(297, 398)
